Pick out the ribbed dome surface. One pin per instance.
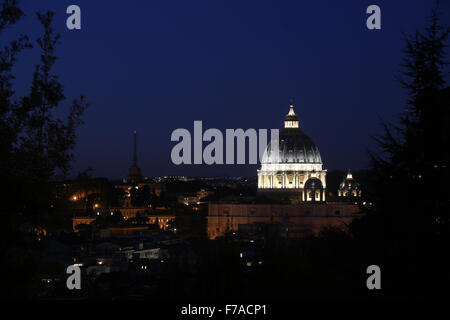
(294, 147)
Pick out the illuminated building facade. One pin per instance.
(294, 171)
(304, 219)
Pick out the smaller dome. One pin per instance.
(349, 183)
(313, 183)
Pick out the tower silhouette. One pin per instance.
(134, 173)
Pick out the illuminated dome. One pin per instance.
(296, 162)
(294, 145)
(349, 184)
(349, 187)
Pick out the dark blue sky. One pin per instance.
(155, 66)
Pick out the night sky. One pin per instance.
(155, 66)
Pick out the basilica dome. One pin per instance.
(294, 145)
(294, 169)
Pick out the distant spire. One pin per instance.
(134, 173)
(134, 149)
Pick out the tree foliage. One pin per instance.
(408, 229)
(35, 145)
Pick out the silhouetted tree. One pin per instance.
(34, 144)
(407, 232)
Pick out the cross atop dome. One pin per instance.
(291, 118)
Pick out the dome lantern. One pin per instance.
(291, 118)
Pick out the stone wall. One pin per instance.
(309, 217)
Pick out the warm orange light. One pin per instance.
(96, 205)
(74, 198)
